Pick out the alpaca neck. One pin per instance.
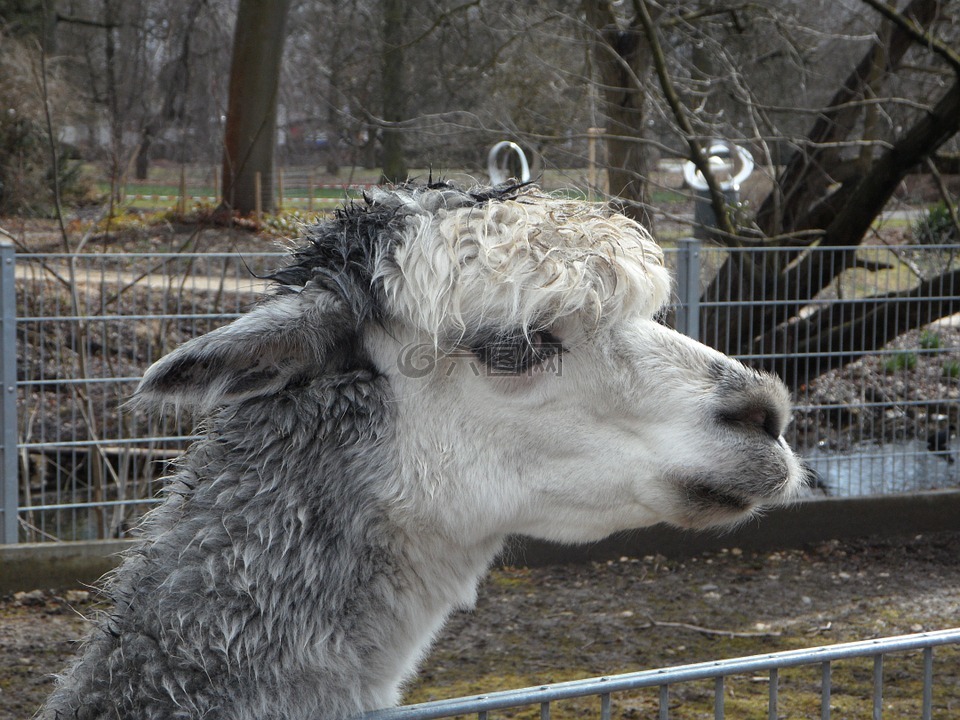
(440, 579)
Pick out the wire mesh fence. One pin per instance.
(872, 415)
(86, 328)
(866, 337)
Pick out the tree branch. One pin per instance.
(438, 21)
(88, 23)
(912, 28)
(805, 178)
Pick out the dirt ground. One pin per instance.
(538, 625)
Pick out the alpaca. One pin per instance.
(436, 370)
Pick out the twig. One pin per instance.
(710, 631)
(29, 526)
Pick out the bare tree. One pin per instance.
(393, 82)
(831, 199)
(884, 118)
(150, 77)
(175, 72)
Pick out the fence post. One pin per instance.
(182, 192)
(8, 402)
(258, 197)
(688, 287)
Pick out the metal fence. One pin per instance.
(85, 326)
(623, 695)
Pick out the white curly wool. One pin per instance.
(435, 370)
(524, 263)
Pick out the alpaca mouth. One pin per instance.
(703, 497)
(705, 505)
(708, 502)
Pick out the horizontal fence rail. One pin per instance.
(605, 689)
(85, 326)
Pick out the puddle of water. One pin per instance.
(884, 469)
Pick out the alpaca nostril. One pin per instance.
(749, 401)
(756, 416)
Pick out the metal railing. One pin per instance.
(604, 691)
(84, 327)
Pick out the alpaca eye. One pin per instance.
(543, 346)
(518, 353)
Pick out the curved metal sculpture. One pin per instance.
(730, 165)
(498, 162)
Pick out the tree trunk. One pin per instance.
(251, 128)
(394, 90)
(621, 56)
(840, 334)
(142, 167)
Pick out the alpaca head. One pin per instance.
(529, 386)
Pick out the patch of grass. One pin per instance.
(930, 340)
(902, 360)
(951, 369)
(663, 196)
(514, 578)
(935, 226)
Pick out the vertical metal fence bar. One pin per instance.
(718, 698)
(825, 690)
(544, 711)
(927, 683)
(774, 694)
(664, 703)
(605, 706)
(688, 287)
(8, 402)
(878, 686)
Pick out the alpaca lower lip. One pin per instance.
(710, 497)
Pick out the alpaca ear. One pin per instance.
(289, 338)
